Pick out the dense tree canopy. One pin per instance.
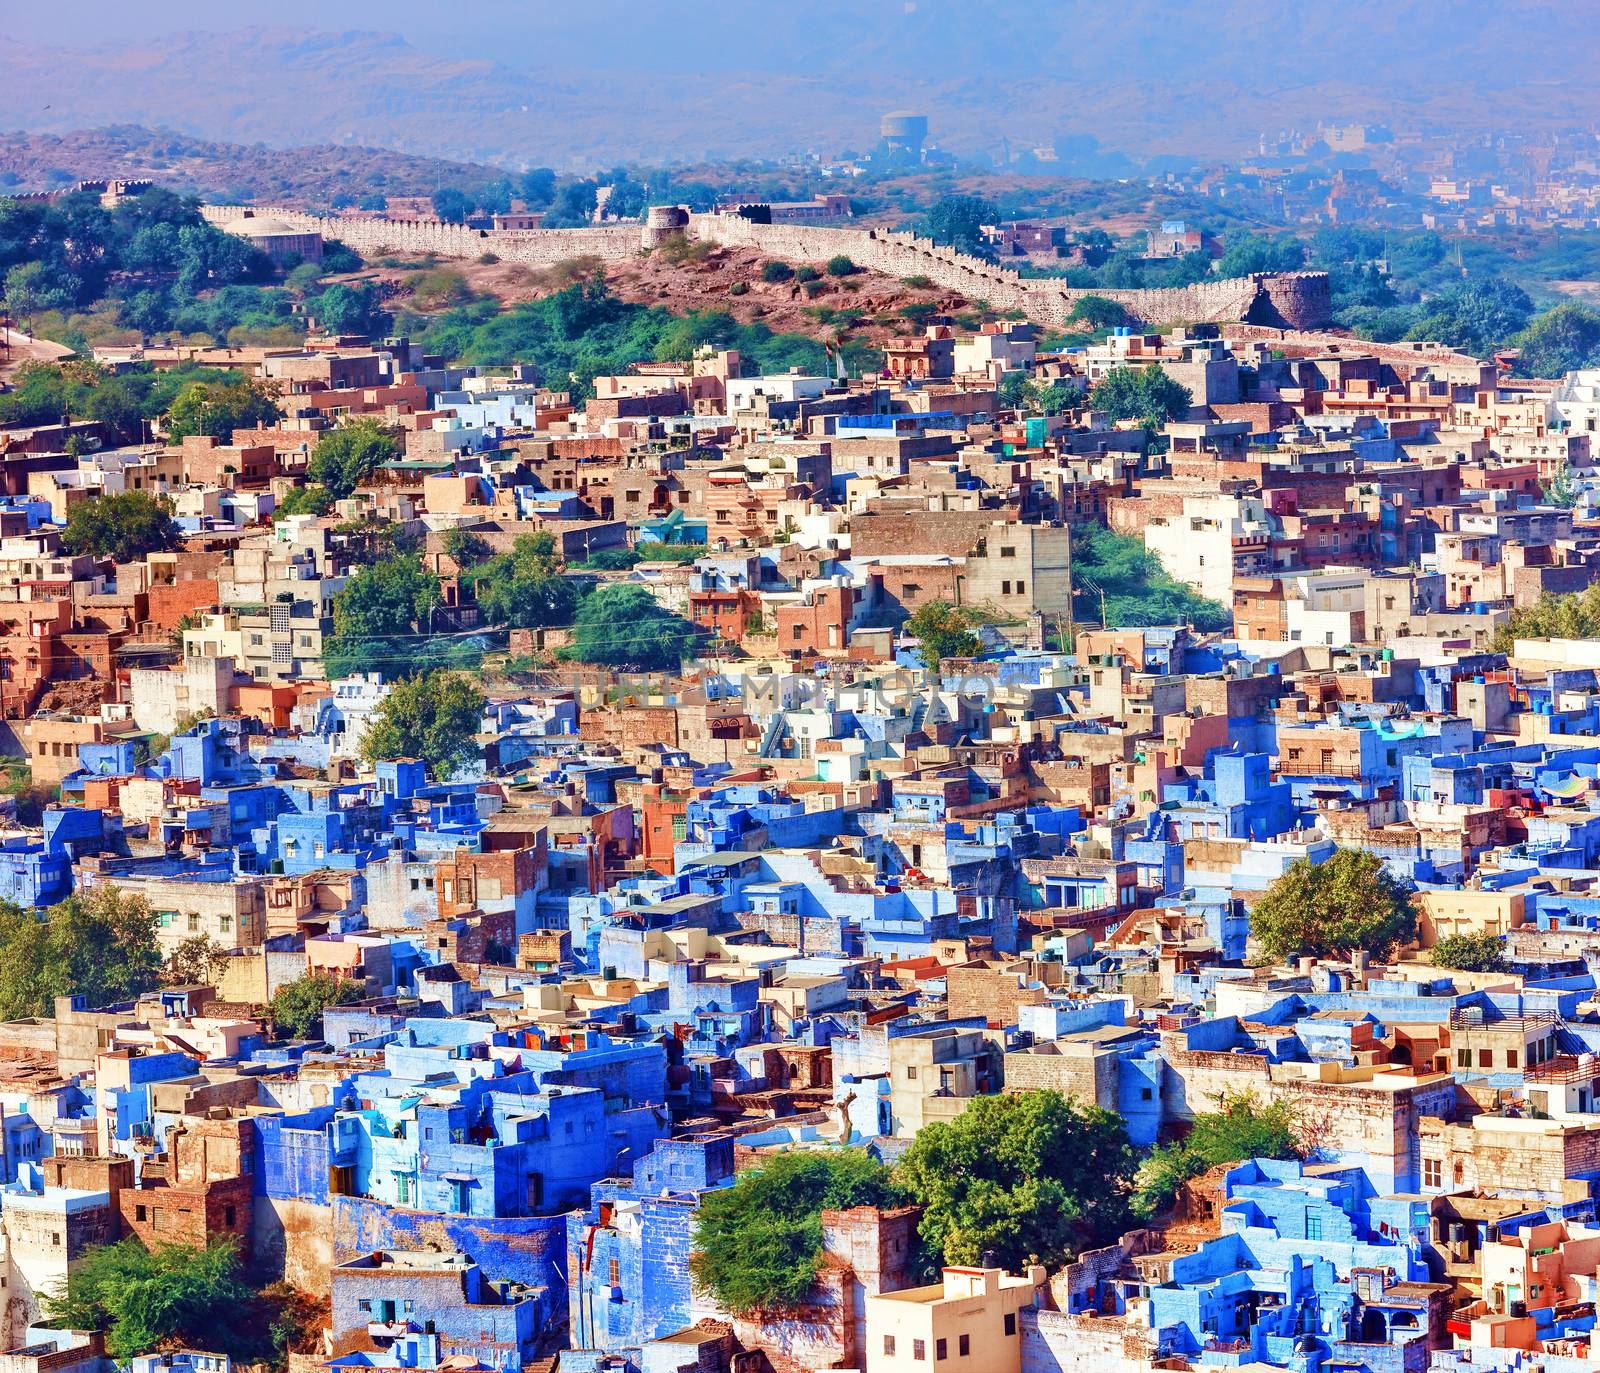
(123, 527)
(1116, 573)
(1030, 1177)
(625, 626)
(1559, 341)
(757, 1244)
(525, 588)
(957, 221)
(1145, 394)
(173, 1295)
(434, 716)
(298, 1006)
(99, 943)
(380, 616)
(1349, 902)
(1470, 953)
(942, 631)
(1242, 1127)
(1575, 615)
(345, 457)
(217, 408)
(1477, 317)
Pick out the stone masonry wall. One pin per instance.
(1296, 300)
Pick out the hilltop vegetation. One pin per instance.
(324, 175)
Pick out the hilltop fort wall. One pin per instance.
(1297, 300)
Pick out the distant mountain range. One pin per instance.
(224, 171)
(612, 80)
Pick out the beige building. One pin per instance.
(230, 910)
(967, 1323)
(162, 697)
(935, 1074)
(1020, 568)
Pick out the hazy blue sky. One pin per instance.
(617, 79)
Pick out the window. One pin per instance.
(1432, 1173)
(964, 1345)
(141, 1213)
(911, 1073)
(888, 1346)
(941, 1350)
(224, 923)
(1485, 1058)
(1313, 1226)
(194, 924)
(919, 1350)
(1511, 1058)
(1145, 1094)
(1463, 1058)
(1011, 1322)
(614, 1274)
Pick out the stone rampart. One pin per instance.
(1297, 300)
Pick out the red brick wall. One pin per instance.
(170, 603)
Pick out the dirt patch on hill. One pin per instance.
(862, 305)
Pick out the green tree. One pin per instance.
(1034, 1177)
(378, 616)
(525, 588)
(775, 271)
(467, 549)
(451, 205)
(145, 1298)
(345, 457)
(1563, 489)
(611, 560)
(218, 408)
(31, 288)
(345, 309)
(99, 943)
(942, 631)
(314, 499)
(1117, 574)
(1241, 1128)
(1470, 953)
(1559, 341)
(1012, 392)
(1050, 397)
(1477, 317)
(841, 266)
(1098, 313)
(298, 1006)
(1145, 394)
(758, 1244)
(626, 627)
(1349, 902)
(434, 716)
(1260, 253)
(1572, 616)
(195, 960)
(123, 527)
(957, 222)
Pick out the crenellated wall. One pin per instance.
(1296, 300)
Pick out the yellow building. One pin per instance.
(969, 1323)
(1441, 914)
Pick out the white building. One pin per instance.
(1214, 539)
